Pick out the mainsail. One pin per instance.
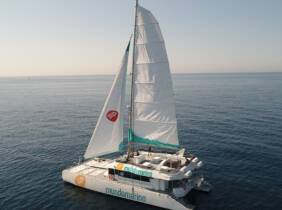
(108, 134)
(154, 118)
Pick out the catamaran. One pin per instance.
(153, 169)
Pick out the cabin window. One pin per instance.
(111, 171)
(174, 184)
(126, 174)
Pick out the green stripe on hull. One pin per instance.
(133, 138)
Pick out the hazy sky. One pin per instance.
(77, 37)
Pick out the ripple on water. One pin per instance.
(232, 122)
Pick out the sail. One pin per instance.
(153, 109)
(108, 134)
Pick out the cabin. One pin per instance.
(155, 171)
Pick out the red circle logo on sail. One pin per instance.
(112, 115)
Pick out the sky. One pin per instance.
(86, 37)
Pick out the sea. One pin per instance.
(232, 122)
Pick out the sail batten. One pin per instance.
(154, 109)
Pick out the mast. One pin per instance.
(131, 111)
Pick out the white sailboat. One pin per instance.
(154, 170)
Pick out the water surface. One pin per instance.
(233, 122)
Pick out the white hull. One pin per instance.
(98, 180)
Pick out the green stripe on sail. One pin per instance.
(122, 146)
(133, 138)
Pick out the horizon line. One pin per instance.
(177, 73)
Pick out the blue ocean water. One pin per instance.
(233, 122)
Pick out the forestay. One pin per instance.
(154, 109)
(108, 133)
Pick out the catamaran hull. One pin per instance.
(105, 185)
